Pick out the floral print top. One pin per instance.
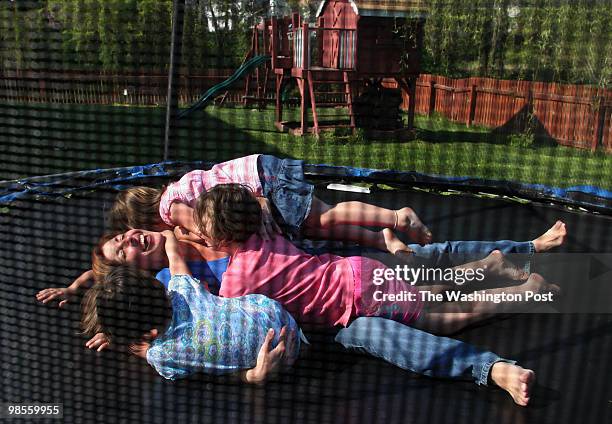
(216, 335)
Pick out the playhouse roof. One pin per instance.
(385, 8)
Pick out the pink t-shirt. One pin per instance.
(314, 289)
(192, 184)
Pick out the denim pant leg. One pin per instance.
(418, 351)
(451, 253)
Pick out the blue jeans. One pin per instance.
(283, 184)
(418, 351)
(452, 253)
(448, 253)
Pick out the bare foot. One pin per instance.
(555, 236)
(514, 379)
(499, 267)
(394, 245)
(409, 222)
(537, 284)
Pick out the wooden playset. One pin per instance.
(343, 59)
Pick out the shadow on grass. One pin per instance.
(42, 139)
(524, 129)
(207, 137)
(497, 137)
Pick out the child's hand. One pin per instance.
(140, 349)
(268, 361)
(85, 280)
(63, 294)
(183, 234)
(176, 262)
(98, 342)
(171, 243)
(268, 225)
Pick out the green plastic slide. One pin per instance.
(213, 91)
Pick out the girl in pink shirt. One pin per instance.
(329, 289)
(286, 198)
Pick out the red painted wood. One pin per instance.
(564, 113)
(313, 103)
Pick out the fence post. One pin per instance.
(432, 97)
(472, 110)
(598, 123)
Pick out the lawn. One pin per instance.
(45, 139)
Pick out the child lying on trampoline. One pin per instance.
(284, 195)
(187, 329)
(329, 289)
(106, 305)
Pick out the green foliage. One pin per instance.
(524, 140)
(542, 40)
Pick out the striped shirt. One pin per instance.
(187, 190)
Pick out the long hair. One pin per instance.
(136, 207)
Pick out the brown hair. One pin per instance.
(99, 264)
(136, 207)
(227, 213)
(124, 305)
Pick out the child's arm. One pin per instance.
(85, 280)
(177, 264)
(268, 361)
(181, 215)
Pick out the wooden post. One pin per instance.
(598, 123)
(349, 97)
(432, 97)
(319, 35)
(409, 84)
(313, 103)
(274, 41)
(279, 100)
(303, 106)
(472, 111)
(305, 46)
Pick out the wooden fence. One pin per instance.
(572, 115)
(137, 90)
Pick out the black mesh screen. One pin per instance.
(490, 119)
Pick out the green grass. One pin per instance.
(44, 139)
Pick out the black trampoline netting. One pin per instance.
(415, 197)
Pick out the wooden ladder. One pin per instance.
(312, 93)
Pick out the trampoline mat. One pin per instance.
(47, 243)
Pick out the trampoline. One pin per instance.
(47, 239)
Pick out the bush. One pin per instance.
(526, 140)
